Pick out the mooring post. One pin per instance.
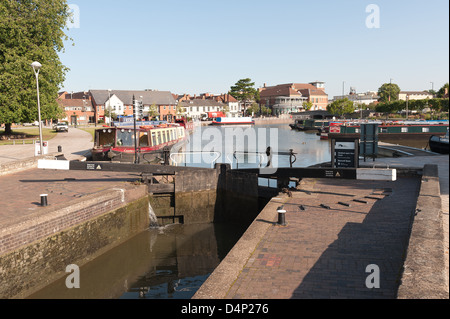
(44, 202)
(281, 216)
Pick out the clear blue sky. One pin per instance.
(198, 46)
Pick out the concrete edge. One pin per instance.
(424, 272)
(223, 277)
(25, 164)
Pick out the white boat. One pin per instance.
(233, 121)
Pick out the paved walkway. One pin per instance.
(418, 162)
(323, 253)
(326, 247)
(21, 191)
(75, 144)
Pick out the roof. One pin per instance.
(290, 89)
(74, 102)
(415, 92)
(148, 97)
(201, 102)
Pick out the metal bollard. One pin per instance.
(281, 216)
(59, 149)
(44, 202)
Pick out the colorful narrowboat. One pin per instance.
(391, 129)
(310, 125)
(117, 144)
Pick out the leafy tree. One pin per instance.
(441, 91)
(153, 111)
(341, 107)
(388, 92)
(180, 109)
(31, 30)
(244, 92)
(307, 105)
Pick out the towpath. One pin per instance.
(75, 144)
(326, 247)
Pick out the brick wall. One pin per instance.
(36, 252)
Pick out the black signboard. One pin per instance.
(345, 153)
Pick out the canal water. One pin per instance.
(172, 262)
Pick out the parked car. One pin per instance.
(62, 127)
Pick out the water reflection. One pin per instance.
(169, 262)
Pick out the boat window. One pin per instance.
(172, 134)
(154, 140)
(125, 137)
(143, 140)
(425, 129)
(105, 137)
(160, 138)
(404, 130)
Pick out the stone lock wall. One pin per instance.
(42, 260)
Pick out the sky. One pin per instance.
(200, 46)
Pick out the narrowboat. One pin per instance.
(233, 121)
(391, 129)
(310, 125)
(117, 144)
(439, 144)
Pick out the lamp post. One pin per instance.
(109, 106)
(36, 68)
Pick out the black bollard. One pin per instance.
(59, 149)
(281, 216)
(44, 202)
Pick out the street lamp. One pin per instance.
(109, 106)
(36, 67)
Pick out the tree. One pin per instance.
(388, 92)
(307, 105)
(442, 91)
(244, 92)
(153, 111)
(341, 107)
(31, 30)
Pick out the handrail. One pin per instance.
(196, 152)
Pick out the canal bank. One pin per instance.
(85, 217)
(338, 233)
(91, 212)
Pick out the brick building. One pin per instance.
(78, 108)
(288, 98)
(120, 102)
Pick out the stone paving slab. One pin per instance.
(323, 253)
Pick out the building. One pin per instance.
(197, 109)
(120, 102)
(359, 98)
(414, 95)
(78, 108)
(288, 98)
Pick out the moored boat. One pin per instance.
(310, 125)
(233, 121)
(391, 129)
(439, 144)
(117, 144)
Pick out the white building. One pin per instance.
(414, 95)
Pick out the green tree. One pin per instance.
(153, 111)
(307, 105)
(388, 92)
(180, 109)
(341, 107)
(31, 30)
(244, 92)
(441, 91)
